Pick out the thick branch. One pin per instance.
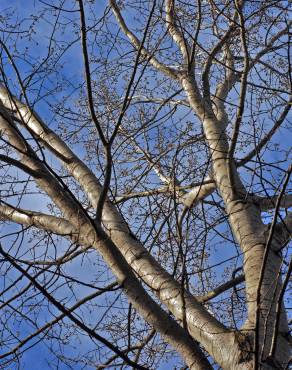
(270, 202)
(198, 193)
(224, 88)
(200, 323)
(131, 249)
(53, 224)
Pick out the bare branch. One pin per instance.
(53, 224)
(135, 41)
(268, 136)
(221, 289)
(174, 30)
(51, 323)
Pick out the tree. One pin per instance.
(145, 209)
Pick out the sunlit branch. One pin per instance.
(132, 250)
(208, 64)
(185, 199)
(57, 225)
(221, 289)
(174, 30)
(74, 211)
(135, 41)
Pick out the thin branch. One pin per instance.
(68, 313)
(221, 289)
(49, 324)
(135, 41)
(88, 74)
(216, 49)
(266, 139)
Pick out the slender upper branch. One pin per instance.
(175, 32)
(221, 289)
(268, 136)
(136, 42)
(243, 89)
(216, 49)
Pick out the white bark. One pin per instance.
(146, 306)
(247, 227)
(201, 324)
